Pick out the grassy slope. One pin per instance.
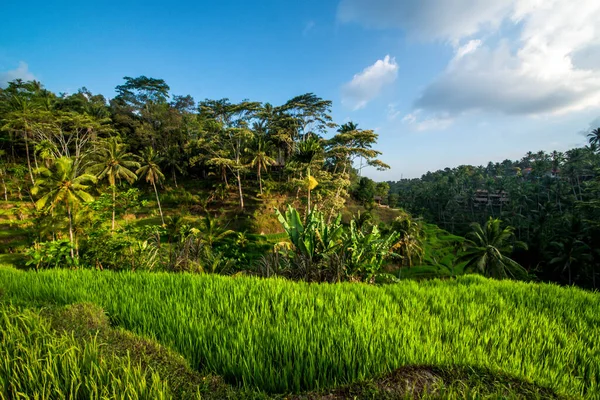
(72, 351)
(36, 362)
(288, 337)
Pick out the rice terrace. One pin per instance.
(183, 216)
(285, 337)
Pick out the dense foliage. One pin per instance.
(75, 156)
(551, 200)
(191, 186)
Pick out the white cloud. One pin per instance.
(369, 83)
(410, 118)
(427, 19)
(21, 72)
(470, 47)
(437, 122)
(511, 56)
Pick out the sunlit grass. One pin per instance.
(283, 336)
(37, 363)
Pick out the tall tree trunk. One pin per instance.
(175, 178)
(28, 159)
(5, 191)
(71, 231)
(35, 159)
(360, 168)
(158, 201)
(259, 179)
(308, 187)
(114, 188)
(12, 146)
(239, 181)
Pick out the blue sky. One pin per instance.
(443, 82)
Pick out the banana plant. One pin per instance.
(314, 239)
(368, 251)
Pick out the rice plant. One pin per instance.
(283, 336)
(37, 363)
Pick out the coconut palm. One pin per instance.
(151, 171)
(112, 162)
(261, 160)
(211, 232)
(486, 250)
(47, 151)
(18, 119)
(3, 174)
(172, 160)
(570, 253)
(594, 137)
(60, 185)
(409, 244)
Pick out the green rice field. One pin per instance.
(287, 337)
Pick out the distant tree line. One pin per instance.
(552, 200)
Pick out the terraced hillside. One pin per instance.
(277, 337)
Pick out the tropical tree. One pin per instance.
(18, 120)
(228, 132)
(150, 170)
(172, 160)
(260, 159)
(313, 240)
(409, 243)
(570, 253)
(309, 115)
(60, 185)
(368, 250)
(211, 232)
(594, 137)
(112, 162)
(487, 249)
(3, 173)
(351, 143)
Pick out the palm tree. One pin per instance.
(570, 252)
(60, 184)
(18, 120)
(409, 242)
(152, 172)
(306, 153)
(594, 137)
(211, 232)
(3, 174)
(113, 162)
(47, 151)
(172, 161)
(487, 248)
(261, 159)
